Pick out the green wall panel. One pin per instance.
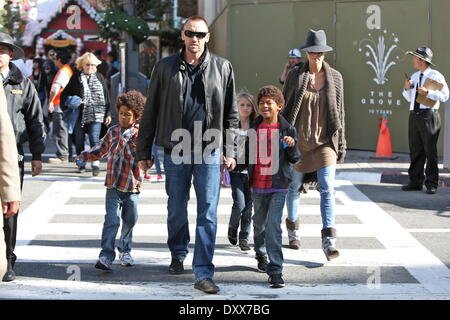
(261, 36)
(373, 63)
(256, 36)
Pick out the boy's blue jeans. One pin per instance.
(242, 204)
(325, 177)
(119, 205)
(267, 228)
(207, 189)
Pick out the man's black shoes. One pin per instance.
(207, 285)
(176, 267)
(431, 190)
(410, 187)
(9, 276)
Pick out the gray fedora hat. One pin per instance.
(423, 53)
(316, 41)
(7, 41)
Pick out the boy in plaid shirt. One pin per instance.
(123, 179)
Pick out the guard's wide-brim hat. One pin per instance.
(423, 53)
(316, 41)
(7, 41)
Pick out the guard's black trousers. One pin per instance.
(423, 132)
(10, 228)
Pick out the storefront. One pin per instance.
(62, 24)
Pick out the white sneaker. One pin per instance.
(126, 260)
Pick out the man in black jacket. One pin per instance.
(191, 94)
(24, 109)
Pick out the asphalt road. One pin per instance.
(394, 245)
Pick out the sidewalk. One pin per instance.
(361, 166)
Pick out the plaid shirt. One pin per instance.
(122, 172)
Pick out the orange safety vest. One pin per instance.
(65, 68)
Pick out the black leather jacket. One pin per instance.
(164, 107)
(25, 111)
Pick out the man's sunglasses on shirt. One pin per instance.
(191, 34)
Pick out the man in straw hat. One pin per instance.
(25, 112)
(424, 120)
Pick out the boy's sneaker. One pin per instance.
(243, 244)
(262, 263)
(160, 178)
(104, 263)
(126, 260)
(276, 281)
(232, 236)
(176, 266)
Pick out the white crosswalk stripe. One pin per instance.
(426, 276)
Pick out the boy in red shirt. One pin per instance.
(270, 176)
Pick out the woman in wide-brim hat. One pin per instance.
(314, 94)
(7, 41)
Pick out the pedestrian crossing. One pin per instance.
(61, 231)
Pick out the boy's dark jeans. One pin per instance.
(267, 228)
(242, 204)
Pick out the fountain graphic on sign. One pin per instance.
(380, 49)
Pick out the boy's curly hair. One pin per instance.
(271, 92)
(134, 100)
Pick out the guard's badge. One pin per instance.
(17, 91)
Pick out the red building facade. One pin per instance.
(72, 25)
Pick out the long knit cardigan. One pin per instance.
(294, 89)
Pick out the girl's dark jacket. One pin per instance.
(282, 178)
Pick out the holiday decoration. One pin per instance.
(115, 21)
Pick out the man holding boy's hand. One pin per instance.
(191, 94)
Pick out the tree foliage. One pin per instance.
(10, 21)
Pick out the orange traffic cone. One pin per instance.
(384, 146)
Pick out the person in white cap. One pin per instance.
(294, 59)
